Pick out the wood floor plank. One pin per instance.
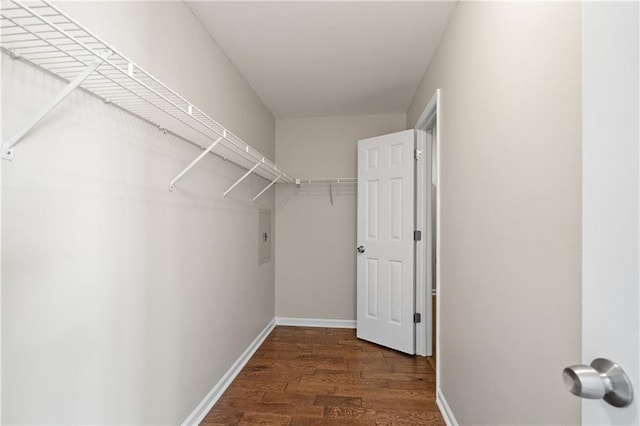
(285, 355)
(397, 418)
(322, 358)
(411, 384)
(269, 407)
(320, 380)
(338, 374)
(338, 401)
(310, 421)
(408, 368)
(251, 418)
(297, 398)
(266, 386)
(311, 389)
(362, 355)
(370, 364)
(219, 416)
(405, 376)
(348, 414)
(323, 376)
(238, 392)
(404, 404)
(417, 394)
(302, 364)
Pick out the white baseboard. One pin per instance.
(447, 414)
(214, 394)
(316, 322)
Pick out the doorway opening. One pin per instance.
(398, 237)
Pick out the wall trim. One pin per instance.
(424, 337)
(316, 322)
(445, 410)
(214, 394)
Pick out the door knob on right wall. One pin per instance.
(602, 379)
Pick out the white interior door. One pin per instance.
(385, 259)
(610, 287)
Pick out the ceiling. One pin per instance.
(309, 59)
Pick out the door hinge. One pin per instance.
(417, 235)
(417, 318)
(417, 153)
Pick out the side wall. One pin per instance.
(121, 300)
(316, 244)
(510, 75)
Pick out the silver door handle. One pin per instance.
(602, 379)
(360, 249)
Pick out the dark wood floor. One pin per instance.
(326, 376)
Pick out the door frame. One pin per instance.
(429, 118)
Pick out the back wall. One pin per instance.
(316, 244)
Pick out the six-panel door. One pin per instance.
(385, 299)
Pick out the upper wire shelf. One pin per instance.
(43, 35)
(327, 181)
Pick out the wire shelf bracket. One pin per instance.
(244, 176)
(194, 162)
(265, 189)
(7, 146)
(331, 193)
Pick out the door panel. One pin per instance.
(610, 222)
(385, 231)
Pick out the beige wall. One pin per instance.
(316, 270)
(124, 303)
(510, 75)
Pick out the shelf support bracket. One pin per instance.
(194, 162)
(244, 176)
(265, 189)
(331, 193)
(7, 146)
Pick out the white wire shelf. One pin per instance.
(43, 35)
(327, 181)
(331, 182)
(39, 33)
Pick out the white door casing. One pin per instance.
(385, 274)
(610, 220)
(426, 136)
